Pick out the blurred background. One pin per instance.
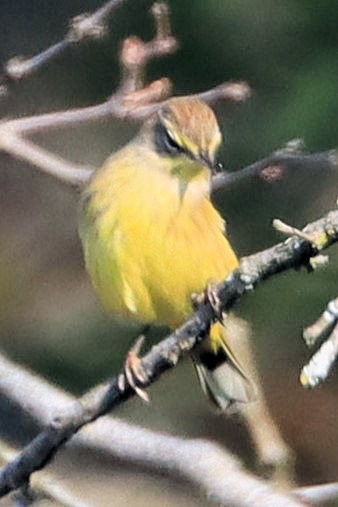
(50, 319)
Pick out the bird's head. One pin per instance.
(185, 132)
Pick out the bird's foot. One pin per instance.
(134, 372)
(209, 295)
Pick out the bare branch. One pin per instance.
(323, 325)
(43, 483)
(136, 54)
(203, 463)
(136, 101)
(82, 27)
(232, 91)
(273, 167)
(130, 95)
(293, 253)
(319, 494)
(119, 106)
(133, 100)
(49, 163)
(319, 366)
(321, 363)
(116, 106)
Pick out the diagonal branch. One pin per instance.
(54, 165)
(82, 27)
(318, 368)
(292, 253)
(134, 99)
(204, 464)
(188, 458)
(44, 484)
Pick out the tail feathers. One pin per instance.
(225, 385)
(221, 375)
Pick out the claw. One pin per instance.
(209, 295)
(133, 371)
(197, 299)
(214, 300)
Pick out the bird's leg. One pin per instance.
(134, 373)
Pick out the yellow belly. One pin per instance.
(149, 245)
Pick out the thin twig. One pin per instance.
(116, 107)
(323, 325)
(318, 368)
(130, 106)
(273, 167)
(292, 253)
(136, 54)
(63, 170)
(82, 27)
(269, 168)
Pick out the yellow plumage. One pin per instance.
(150, 233)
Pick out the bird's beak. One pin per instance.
(217, 167)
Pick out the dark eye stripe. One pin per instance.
(171, 144)
(164, 143)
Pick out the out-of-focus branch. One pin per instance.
(49, 163)
(273, 167)
(131, 94)
(133, 100)
(191, 459)
(270, 169)
(136, 54)
(319, 494)
(275, 459)
(296, 251)
(130, 107)
(83, 27)
(320, 364)
(44, 483)
(323, 325)
(203, 463)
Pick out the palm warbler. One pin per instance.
(152, 237)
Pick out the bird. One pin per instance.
(152, 237)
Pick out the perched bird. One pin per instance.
(151, 236)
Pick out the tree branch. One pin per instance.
(318, 368)
(273, 167)
(82, 27)
(44, 483)
(319, 494)
(54, 165)
(292, 253)
(205, 464)
(133, 100)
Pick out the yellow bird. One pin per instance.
(151, 236)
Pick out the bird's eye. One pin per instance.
(164, 142)
(171, 145)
